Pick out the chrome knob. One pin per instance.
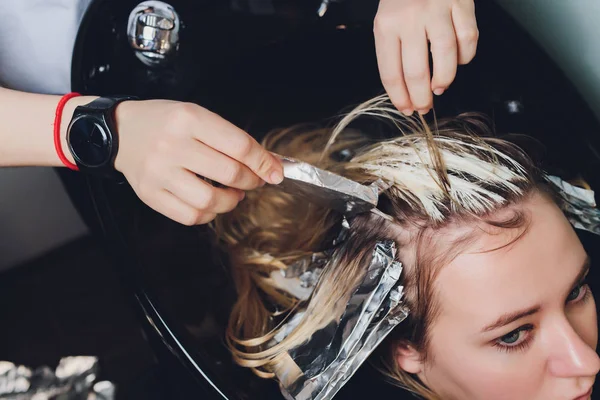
(153, 32)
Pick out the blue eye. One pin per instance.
(579, 293)
(575, 293)
(512, 338)
(516, 340)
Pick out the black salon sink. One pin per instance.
(263, 71)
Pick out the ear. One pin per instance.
(408, 358)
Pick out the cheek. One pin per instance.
(462, 370)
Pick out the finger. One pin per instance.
(205, 218)
(216, 166)
(415, 58)
(237, 144)
(174, 208)
(389, 61)
(201, 195)
(465, 27)
(443, 51)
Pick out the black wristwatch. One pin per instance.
(93, 139)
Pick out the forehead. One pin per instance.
(491, 278)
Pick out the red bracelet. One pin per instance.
(57, 118)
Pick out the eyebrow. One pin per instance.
(517, 315)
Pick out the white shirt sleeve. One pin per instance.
(36, 43)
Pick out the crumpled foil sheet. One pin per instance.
(579, 206)
(300, 278)
(328, 189)
(73, 379)
(321, 366)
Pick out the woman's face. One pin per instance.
(517, 322)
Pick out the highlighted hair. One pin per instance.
(453, 172)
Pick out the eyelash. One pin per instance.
(509, 348)
(580, 299)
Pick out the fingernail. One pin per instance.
(423, 111)
(276, 177)
(438, 91)
(408, 112)
(242, 195)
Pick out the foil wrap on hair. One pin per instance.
(73, 379)
(579, 205)
(300, 278)
(318, 368)
(328, 189)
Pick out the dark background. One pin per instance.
(107, 294)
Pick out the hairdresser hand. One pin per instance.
(403, 29)
(164, 144)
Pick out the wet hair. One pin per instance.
(453, 172)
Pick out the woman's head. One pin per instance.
(469, 214)
(513, 317)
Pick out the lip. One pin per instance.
(584, 396)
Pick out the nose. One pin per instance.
(571, 355)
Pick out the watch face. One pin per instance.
(90, 142)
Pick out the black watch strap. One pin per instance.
(93, 138)
(103, 103)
